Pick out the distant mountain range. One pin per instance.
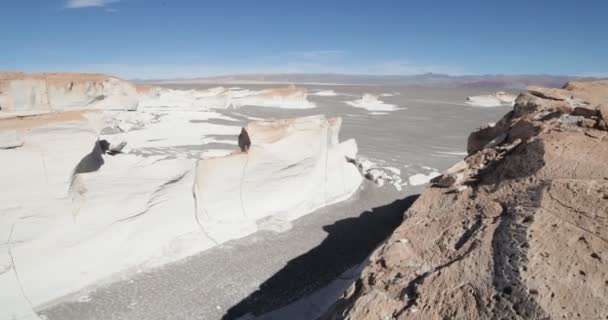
(422, 80)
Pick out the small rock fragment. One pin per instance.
(586, 123)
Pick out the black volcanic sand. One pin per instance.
(268, 270)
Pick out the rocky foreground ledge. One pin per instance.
(517, 230)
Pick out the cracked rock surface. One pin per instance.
(518, 230)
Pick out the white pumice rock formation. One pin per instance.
(372, 103)
(91, 192)
(286, 168)
(498, 99)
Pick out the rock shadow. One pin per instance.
(522, 162)
(94, 160)
(348, 243)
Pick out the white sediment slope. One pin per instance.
(372, 103)
(498, 99)
(89, 195)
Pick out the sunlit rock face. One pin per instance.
(23, 94)
(286, 169)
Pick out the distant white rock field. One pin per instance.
(498, 99)
(325, 93)
(222, 98)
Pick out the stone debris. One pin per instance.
(378, 174)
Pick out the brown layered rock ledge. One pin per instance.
(517, 230)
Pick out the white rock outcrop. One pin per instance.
(100, 178)
(26, 94)
(325, 93)
(287, 168)
(498, 99)
(372, 103)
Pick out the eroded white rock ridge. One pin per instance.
(286, 168)
(98, 193)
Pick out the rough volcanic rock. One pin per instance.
(517, 230)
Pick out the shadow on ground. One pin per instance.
(349, 242)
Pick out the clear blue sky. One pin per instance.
(186, 38)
